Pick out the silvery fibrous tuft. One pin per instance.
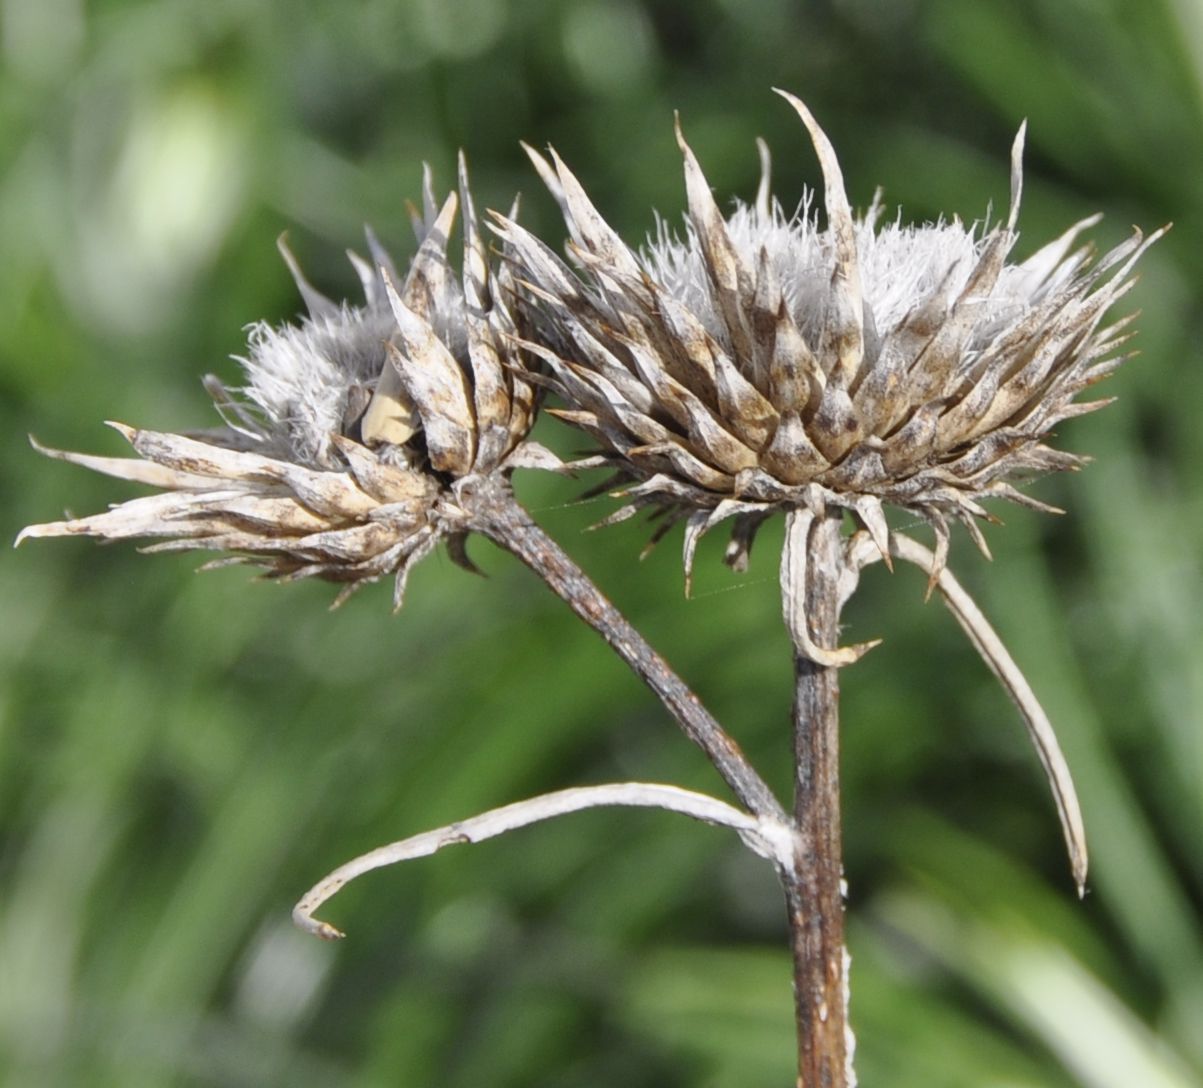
(341, 455)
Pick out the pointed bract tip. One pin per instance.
(872, 516)
(764, 196)
(130, 434)
(547, 172)
(536, 156)
(461, 177)
(842, 656)
(1156, 236)
(1017, 174)
(803, 111)
(429, 204)
(1079, 861)
(446, 214)
(836, 198)
(317, 304)
(679, 132)
(48, 530)
(324, 930)
(403, 314)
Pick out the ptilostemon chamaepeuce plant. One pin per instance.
(763, 363)
(760, 364)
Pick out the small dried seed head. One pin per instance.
(341, 456)
(762, 363)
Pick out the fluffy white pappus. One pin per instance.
(901, 266)
(304, 378)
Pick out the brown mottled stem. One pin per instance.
(812, 565)
(493, 512)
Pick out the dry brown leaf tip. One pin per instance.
(341, 455)
(761, 361)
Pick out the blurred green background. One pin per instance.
(181, 756)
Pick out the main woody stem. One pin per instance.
(814, 890)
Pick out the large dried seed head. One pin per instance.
(342, 455)
(765, 362)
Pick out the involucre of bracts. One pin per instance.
(342, 455)
(761, 363)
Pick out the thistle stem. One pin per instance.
(811, 569)
(496, 514)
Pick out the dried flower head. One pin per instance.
(762, 363)
(342, 455)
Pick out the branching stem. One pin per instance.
(765, 838)
(494, 513)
